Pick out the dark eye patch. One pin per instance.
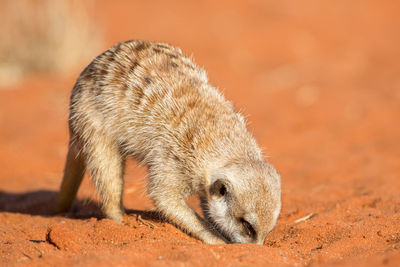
(248, 228)
(222, 190)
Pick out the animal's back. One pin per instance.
(149, 97)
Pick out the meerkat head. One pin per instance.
(244, 201)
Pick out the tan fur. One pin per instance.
(148, 101)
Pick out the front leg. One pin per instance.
(171, 203)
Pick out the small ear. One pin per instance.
(220, 187)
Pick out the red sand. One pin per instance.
(321, 86)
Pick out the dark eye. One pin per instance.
(248, 228)
(222, 190)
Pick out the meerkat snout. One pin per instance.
(244, 201)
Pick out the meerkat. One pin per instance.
(148, 101)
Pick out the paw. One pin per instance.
(209, 238)
(214, 241)
(115, 215)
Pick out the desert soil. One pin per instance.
(320, 84)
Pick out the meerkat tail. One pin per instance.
(73, 175)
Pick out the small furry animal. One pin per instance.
(148, 101)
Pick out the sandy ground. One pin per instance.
(321, 87)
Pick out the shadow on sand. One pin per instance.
(43, 203)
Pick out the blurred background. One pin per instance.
(319, 81)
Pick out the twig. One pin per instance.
(139, 218)
(40, 251)
(215, 254)
(26, 255)
(305, 218)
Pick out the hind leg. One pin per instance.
(106, 166)
(73, 174)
